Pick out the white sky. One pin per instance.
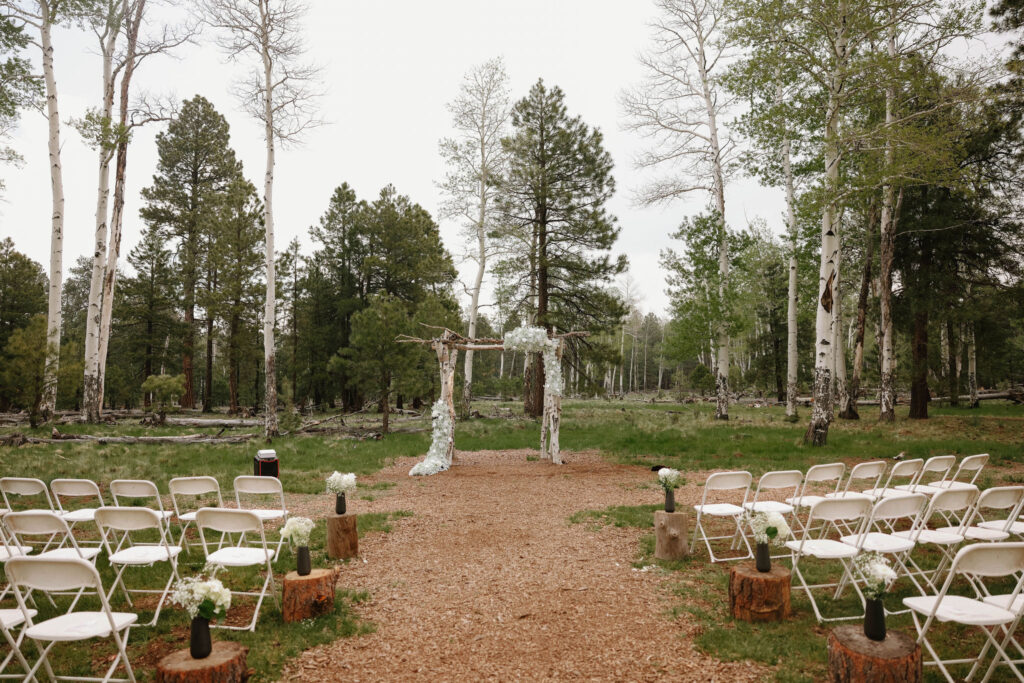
(390, 66)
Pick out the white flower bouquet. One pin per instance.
(768, 527)
(528, 339)
(339, 483)
(669, 478)
(203, 595)
(297, 530)
(877, 572)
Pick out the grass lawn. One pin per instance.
(629, 432)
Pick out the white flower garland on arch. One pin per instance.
(437, 458)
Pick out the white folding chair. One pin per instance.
(76, 488)
(126, 551)
(878, 535)
(975, 563)
(241, 522)
(258, 490)
(786, 481)
(831, 512)
(126, 492)
(23, 486)
(1006, 499)
(904, 469)
(935, 466)
(970, 467)
(42, 523)
(50, 574)
(869, 473)
(187, 490)
(11, 619)
(816, 476)
(723, 481)
(942, 504)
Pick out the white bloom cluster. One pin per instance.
(768, 527)
(877, 572)
(203, 597)
(297, 530)
(535, 340)
(437, 456)
(669, 478)
(339, 483)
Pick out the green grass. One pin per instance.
(370, 522)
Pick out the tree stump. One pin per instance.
(342, 537)
(670, 535)
(226, 664)
(853, 657)
(759, 596)
(304, 597)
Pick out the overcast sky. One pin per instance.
(390, 66)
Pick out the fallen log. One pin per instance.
(212, 422)
(58, 437)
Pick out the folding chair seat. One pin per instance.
(831, 512)
(878, 534)
(723, 481)
(989, 613)
(904, 469)
(22, 486)
(186, 490)
(1002, 498)
(970, 467)
(869, 473)
(126, 491)
(935, 466)
(942, 504)
(128, 551)
(241, 522)
(52, 574)
(11, 619)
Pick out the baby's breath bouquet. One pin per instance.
(877, 572)
(670, 480)
(203, 595)
(297, 530)
(339, 483)
(769, 527)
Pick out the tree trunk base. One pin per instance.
(670, 534)
(226, 664)
(305, 597)
(759, 596)
(853, 658)
(342, 537)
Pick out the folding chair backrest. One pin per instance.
(970, 466)
(127, 519)
(36, 523)
(840, 509)
(120, 489)
(899, 507)
(1000, 498)
(75, 488)
(821, 473)
(989, 559)
(953, 500)
(723, 481)
(866, 471)
(23, 486)
(193, 486)
(905, 469)
(939, 464)
(782, 479)
(227, 520)
(53, 574)
(261, 486)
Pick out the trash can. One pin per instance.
(265, 463)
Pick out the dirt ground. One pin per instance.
(489, 581)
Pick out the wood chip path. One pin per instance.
(489, 581)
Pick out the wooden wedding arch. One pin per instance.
(447, 346)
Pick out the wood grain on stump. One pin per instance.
(670, 535)
(226, 664)
(304, 597)
(759, 596)
(854, 658)
(342, 537)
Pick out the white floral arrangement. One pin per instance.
(202, 595)
(297, 530)
(768, 527)
(877, 572)
(339, 483)
(669, 478)
(535, 340)
(437, 455)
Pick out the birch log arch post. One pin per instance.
(447, 347)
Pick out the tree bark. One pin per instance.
(919, 384)
(226, 664)
(853, 658)
(972, 366)
(952, 354)
(842, 395)
(792, 298)
(208, 382)
(53, 312)
(849, 411)
(887, 391)
(269, 316)
(759, 596)
(307, 597)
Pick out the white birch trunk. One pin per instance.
(269, 315)
(972, 366)
(838, 345)
(53, 312)
(887, 391)
(792, 298)
(622, 358)
(474, 305)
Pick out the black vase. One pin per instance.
(670, 500)
(302, 563)
(339, 504)
(199, 645)
(763, 558)
(874, 619)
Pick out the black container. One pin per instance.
(874, 619)
(303, 566)
(763, 558)
(670, 500)
(339, 504)
(265, 464)
(199, 645)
